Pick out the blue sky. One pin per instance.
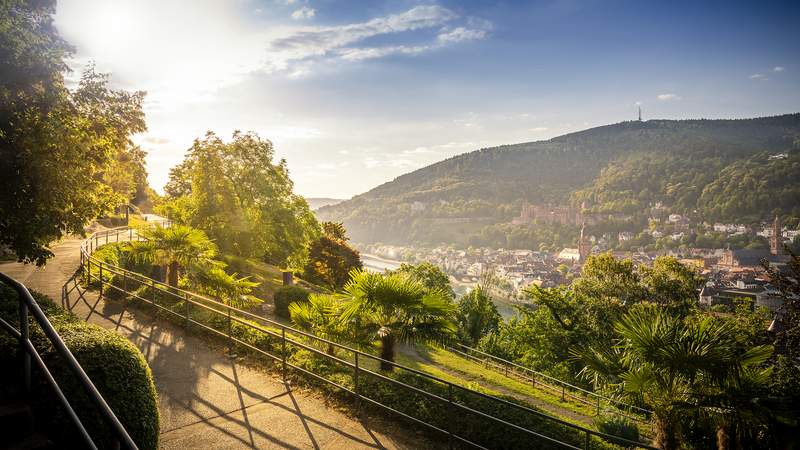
(354, 94)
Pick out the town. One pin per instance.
(728, 273)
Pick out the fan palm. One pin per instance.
(396, 308)
(672, 365)
(321, 316)
(233, 291)
(173, 248)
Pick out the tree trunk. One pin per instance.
(331, 350)
(172, 274)
(387, 352)
(724, 441)
(666, 433)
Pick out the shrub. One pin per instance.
(617, 426)
(286, 295)
(115, 366)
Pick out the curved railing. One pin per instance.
(553, 385)
(355, 361)
(27, 304)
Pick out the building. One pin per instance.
(776, 240)
(584, 245)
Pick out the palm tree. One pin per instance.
(672, 366)
(233, 291)
(395, 307)
(321, 316)
(173, 248)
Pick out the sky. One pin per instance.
(354, 94)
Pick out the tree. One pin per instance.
(232, 290)
(431, 276)
(321, 315)
(330, 258)
(242, 199)
(55, 145)
(669, 364)
(476, 316)
(396, 308)
(174, 248)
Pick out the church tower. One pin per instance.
(584, 246)
(776, 240)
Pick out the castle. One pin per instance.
(563, 215)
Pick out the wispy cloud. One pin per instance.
(667, 97)
(340, 42)
(778, 69)
(758, 76)
(304, 13)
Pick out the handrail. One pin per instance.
(563, 384)
(28, 304)
(233, 314)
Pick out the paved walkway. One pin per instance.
(206, 399)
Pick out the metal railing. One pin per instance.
(358, 362)
(28, 305)
(554, 385)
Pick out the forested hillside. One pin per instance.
(714, 169)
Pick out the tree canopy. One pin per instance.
(58, 148)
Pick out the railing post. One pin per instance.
(95, 240)
(598, 406)
(563, 392)
(130, 234)
(100, 278)
(586, 442)
(117, 234)
(106, 237)
(355, 382)
(24, 337)
(283, 351)
(450, 414)
(153, 292)
(186, 303)
(230, 337)
(124, 282)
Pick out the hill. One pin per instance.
(318, 202)
(715, 169)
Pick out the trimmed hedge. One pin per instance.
(115, 366)
(287, 295)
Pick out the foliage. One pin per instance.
(330, 258)
(395, 307)
(48, 133)
(232, 290)
(476, 315)
(617, 426)
(672, 365)
(175, 248)
(431, 276)
(115, 366)
(321, 315)
(287, 295)
(242, 199)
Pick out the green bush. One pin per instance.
(115, 366)
(286, 295)
(617, 426)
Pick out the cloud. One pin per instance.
(539, 129)
(758, 76)
(156, 140)
(778, 69)
(340, 42)
(461, 34)
(304, 13)
(667, 97)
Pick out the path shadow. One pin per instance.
(190, 376)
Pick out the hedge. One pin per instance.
(286, 295)
(115, 366)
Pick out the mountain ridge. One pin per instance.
(494, 182)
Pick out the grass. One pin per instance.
(270, 277)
